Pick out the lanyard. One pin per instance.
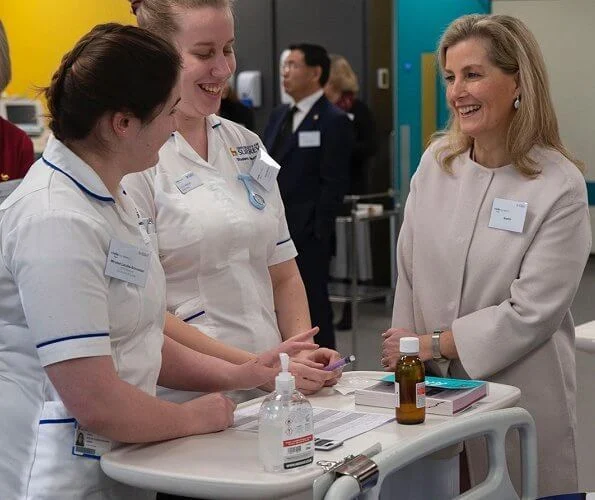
(256, 200)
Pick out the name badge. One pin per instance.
(265, 170)
(188, 182)
(508, 215)
(310, 139)
(89, 444)
(127, 262)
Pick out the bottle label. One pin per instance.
(420, 394)
(298, 438)
(397, 396)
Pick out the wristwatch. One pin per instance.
(436, 354)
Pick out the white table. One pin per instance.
(585, 404)
(225, 465)
(585, 337)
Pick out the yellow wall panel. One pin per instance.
(40, 32)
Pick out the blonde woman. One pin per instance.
(233, 287)
(495, 238)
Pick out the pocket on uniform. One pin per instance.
(192, 312)
(56, 473)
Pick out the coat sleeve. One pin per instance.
(337, 144)
(493, 338)
(403, 316)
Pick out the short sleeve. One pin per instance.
(57, 260)
(284, 246)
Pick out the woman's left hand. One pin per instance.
(390, 346)
(265, 367)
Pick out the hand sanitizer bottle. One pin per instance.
(285, 425)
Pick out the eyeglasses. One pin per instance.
(291, 65)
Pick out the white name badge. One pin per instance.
(188, 182)
(265, 170)
(310, 139)
(508, 215)
(89, 444)
(127, 262)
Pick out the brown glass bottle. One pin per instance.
(410, 386)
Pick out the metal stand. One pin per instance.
(354, 293)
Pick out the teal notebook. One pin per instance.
(444, 383)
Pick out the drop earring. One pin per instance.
(517, 102)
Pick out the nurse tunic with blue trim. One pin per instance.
(215, 247)
(56, 304)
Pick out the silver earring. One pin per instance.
(517, 102)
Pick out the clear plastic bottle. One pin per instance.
(410, 385)
(285, 425)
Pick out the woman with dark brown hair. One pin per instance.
(82, 291)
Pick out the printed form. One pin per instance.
(328, 424)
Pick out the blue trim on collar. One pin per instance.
(194, 316)
(57, 421)
(216, 125)
(79, 185)
(72, 337)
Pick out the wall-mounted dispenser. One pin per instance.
(249, 88)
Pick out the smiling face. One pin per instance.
(205, 38)
(479, 93)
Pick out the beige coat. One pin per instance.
(506, 296)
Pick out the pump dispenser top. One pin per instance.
(285, 381)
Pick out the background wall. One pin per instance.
(564, 30)
(40, 32)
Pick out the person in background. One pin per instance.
(82, 291)
(495, 238)
(16, 148)
(341, 89)
(232, 109)
(233, 287)
(312, 140)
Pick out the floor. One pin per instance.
(374, 318)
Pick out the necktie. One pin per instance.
(285, 131)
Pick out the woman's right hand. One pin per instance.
(211, 413)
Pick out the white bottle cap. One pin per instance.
(285, 381)
(409, 345)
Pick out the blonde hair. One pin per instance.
(160, 16)
(513, 49)
(342, 77)
(5, 68)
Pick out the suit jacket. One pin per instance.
(506, 296)
(313, 180)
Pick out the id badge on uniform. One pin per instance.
(265, 170)
(127, 262)
(310, 139)
(508, 215)
(188, 182)
(88, 444)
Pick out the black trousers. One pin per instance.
(313, 260)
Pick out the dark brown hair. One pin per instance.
(112, 68)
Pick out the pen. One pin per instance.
(338, 364)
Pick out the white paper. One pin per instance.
(127, 262)
(508, 215)
(328, 423)
(265, 170)
(188, 182)
(310, 139)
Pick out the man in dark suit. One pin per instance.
(312, 141)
